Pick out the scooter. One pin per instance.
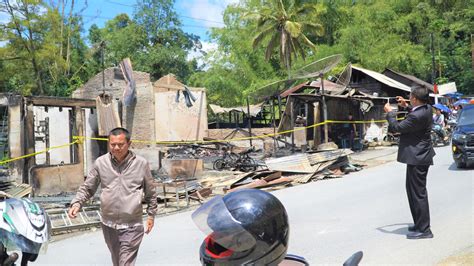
(25, 227)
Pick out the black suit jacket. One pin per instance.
(415, 145)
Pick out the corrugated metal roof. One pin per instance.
(328, 86)
(384, 79)
(412, 78)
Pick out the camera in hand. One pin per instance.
(393, 100)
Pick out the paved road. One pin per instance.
(329, 220)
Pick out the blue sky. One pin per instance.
(197, 16)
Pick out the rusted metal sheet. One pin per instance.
(53, 180)
(107, 115)
(298, 163)
(183, 168)
(129, 93)
(261, 183)
(324, 156)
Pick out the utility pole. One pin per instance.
(102, 47)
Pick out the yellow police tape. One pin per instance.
(39, 152)
(79, 139)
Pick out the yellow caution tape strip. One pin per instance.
(39, 152)
(243, 138)
(79, 139)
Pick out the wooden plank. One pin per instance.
(60, 102)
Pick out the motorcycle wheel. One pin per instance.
(219, 164)
(248, 164)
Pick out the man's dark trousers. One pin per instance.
(418, 196)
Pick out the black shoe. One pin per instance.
(411, 228)
(420, 235)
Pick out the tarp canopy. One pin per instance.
(383, 79)
(455, 95)
(254, 109)
(461, 102)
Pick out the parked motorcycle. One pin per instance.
(25, 227)
(247, 227)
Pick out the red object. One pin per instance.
(215, 253)
(435, 88)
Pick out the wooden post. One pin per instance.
(325, 111)
(317, 130)
(249, 121)
(29, 143)
(80, 132)
(279, 107)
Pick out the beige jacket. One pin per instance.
(122, 188)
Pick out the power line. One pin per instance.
(182, 25)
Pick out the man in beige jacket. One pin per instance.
(123, 178)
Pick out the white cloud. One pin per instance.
(208, 11)
(207, 47)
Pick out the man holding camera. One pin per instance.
(416, 151)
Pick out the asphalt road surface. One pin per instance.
(329, 220)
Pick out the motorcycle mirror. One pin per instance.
(354, 259)
(293, 260)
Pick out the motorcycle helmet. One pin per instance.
(25, 226)
(247, 226)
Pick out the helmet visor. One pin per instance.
(214, 219)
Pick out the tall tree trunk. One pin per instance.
(68, 52)
(28, 44)
(61, 3)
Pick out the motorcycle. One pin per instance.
(25, 227)
(437, 136)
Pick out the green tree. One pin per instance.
(44, 46)
(167, 44)
(284, 24)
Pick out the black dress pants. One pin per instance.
(418, 196)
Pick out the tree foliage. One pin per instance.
(44, 49)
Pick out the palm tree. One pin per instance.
(285, 23)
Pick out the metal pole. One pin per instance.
(325, 111)
(274, 129)
(292, 112)
(102, 45)
(249, 121)
(279, 107)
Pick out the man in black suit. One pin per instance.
(416, 151)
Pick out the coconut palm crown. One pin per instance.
(285, 23)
